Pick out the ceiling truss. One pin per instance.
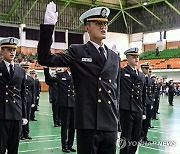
(122, 6)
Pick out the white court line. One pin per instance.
(45, 136)
(31, 141)
(161, 132)
(39, 149)
(152, 148)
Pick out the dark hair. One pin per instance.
(87, 23)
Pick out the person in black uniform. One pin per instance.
(132, 103)
(67, 101)
(12, 98)
(35, 95)
(149, 102)
(171, 92)
(156, 96)
(37, 91)
(54, 91)
(30, 100)
(95, 71)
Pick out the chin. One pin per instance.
(103, 37)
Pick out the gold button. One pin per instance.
(26, 93)
(73, 91)
(137, 97)
(138, 92)
(68, 95)
(99, 100)
(69, 86)
(6, 93)
(14, 101)
(109, 102)
(100, 89)
(14, 87)
(14, 95)
(68, 90)
(99, 78)
(133, 84)
(150, 91)
(6, 86)
(131, 95)
(132, 89)
(73, 95)
(6, 100)
(110, 80)
(109, 91)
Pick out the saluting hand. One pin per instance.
(51, 15)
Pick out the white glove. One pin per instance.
(33, 105)
(51, 15)
(144, 117)
(24, 121)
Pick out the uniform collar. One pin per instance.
(69, 72)
(7, 63)
(97, 46)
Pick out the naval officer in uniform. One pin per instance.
(29, 82)
(95, 72)
(132, 103)
(149, 101)
(12, 98)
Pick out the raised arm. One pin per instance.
(45, 57)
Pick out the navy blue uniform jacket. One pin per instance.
(96, 85)
(12, 93)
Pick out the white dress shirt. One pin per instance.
(97, 47)
(7, 65)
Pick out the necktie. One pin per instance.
(136, 72)
(11, 72)
(101, 49)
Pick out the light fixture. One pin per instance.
(145, 3)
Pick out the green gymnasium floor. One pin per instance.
(46, 138)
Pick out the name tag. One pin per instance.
(0, 74)
(128, 75)
(63, 78)
(89, 60)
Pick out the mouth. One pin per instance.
(12, 56)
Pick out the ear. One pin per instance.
(2, 50)
(86, 28)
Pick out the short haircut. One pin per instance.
(87, 23)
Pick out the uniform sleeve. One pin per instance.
(23, 97)
(33, 92)
(45, 57)
(144, 97)
(48, 77)
(118, 98)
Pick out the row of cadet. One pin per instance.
(33, 89)
(62, 97)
